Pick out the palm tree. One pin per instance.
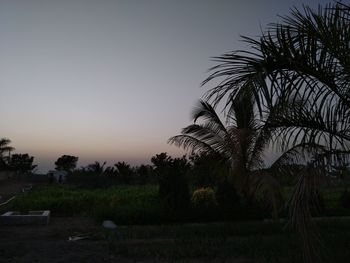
(5, 148)
(302, 65)
(241, 143)
(96, 168)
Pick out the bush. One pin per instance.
(345, 199)
(207, 168)
(173, 192)
(173, 187)
(204, 198)
(228, 200)
(227, 196)
(122, 204)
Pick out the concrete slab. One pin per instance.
(30, 218)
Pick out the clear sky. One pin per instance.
(112, 80)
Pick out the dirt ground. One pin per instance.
(51, 244)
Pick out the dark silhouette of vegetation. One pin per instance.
(125, 172)
(298, 71)
(97, 175)
(96, 168)
(345, 199)
(5, 147)
(173, 186)
(145, 174)
(239, 146)
(207, 169)
(5, 151)
(66, 163)
(21, 163)
(227, 198)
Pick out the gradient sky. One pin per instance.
(113, 80)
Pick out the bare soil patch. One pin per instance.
(51, 244)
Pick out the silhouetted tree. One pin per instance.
(66, 163)
(145, 174)
(161, 162)
(173, 186)
(21, 163)
(5, 148)
(298, 70)
(109, 170)
(123, 168)
(125, 172)
(208, 169)
(240, 143)
(96, 168)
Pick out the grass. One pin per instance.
(136, 204)
(130, 205)
(124, 204)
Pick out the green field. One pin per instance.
(136, 205)
(125, 204)
(145, 230)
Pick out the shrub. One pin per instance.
(227, 196)
(207, 168)
(204, 198)
(173, 187)
(173, 191)
(345, 199)
(204, 205)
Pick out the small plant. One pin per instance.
(204, 198)
(345, 199)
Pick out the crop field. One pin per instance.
(134, 205)
(125, 204)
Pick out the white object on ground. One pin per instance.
(109, 224)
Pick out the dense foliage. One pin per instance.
(173, 186)
(142, 205)
(66, 163)
(21, 163)
(298, 73)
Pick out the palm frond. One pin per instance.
(190, 143)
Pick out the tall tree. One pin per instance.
(241, 143)
(66, 163)
(300, 67)
(5, 150)
(96, 168)
(5, 147)
(21, 163)
(172, 177)
(125, 172)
